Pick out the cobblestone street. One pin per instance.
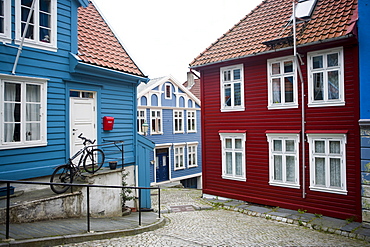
(219, 227)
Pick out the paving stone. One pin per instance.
(351, 226)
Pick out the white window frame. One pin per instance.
(282, 75)
(224, 150)
(179, 157)
(178, 120)
(342, 138)
(158, 130)
(192, 154)
(6, 35)
(23, 81)
(36, 43)
(230, 81)
(191, 121)
(141, 118)
(271, 137)
(325, 70)
(166, 85)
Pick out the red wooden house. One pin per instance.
(281, 109)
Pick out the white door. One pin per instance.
(83, 118)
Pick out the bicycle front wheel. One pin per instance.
(94, 160)
(62, 174)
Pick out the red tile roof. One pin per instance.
(331, 19)
(97, 44)
(195, 88)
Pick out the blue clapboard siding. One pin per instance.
(180, 100)
(25, 163)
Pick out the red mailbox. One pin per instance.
(108, 123)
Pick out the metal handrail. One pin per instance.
(88, 186)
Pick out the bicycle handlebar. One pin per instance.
(85, 139)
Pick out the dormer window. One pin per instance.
(5, 21)
(305, 8)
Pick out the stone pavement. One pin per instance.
(193, 221)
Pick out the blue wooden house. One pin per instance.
(171, 114)
(364, 72)
(62, 70)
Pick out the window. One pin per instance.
(178, 121)
(179, 157)
(141, 119)
(232, 88)
(192, 155)
(284, 159)
(5, 24)
(326, 79)
(233, 155)
(282, 85)
(42, 28)
(156, 122)
(168, 92)
(23, 113)
(328, 162)
(191, 119)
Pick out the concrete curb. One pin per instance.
(68, 239)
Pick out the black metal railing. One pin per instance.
(88, 186)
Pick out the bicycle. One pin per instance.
(91, 158)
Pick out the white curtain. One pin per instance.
(335, 173)
(33, 100)
(9, 126)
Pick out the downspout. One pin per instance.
(303, 126)
(23, 37)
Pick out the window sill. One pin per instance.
(286, 185)
(277, 107)
(28, 145)
(234, 178)
(180, 168)
(38, 45)
(326, 104)
(329, 190)
(232, 109)
(194, 166)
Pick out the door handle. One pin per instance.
(74, 129)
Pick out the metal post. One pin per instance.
(139, 207)
(7, 210)
(159, 202)
(88, 208)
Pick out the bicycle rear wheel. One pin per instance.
(94, 160)
(62, 174)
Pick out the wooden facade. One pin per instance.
(256, 120)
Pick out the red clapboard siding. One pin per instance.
(256, 119)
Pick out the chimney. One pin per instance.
(190, 79)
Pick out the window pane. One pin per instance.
(33, 93)
(278, 167)
(288, 66)
(227, 75)
(33, 112)
(12, 132)
(2, 28)
(288, 81)
(318, 86)
(229, 163)
(335, 172)
(334, 147)
(237, 94)
(227, 94)
(238, 143)
(228, 142)
(290, 168)
(33, 132)
(320, 147)
(289, 146)
(238, 164)
(333, 84)
(333, 60)
(237, 74)
(276, 90)
(317, 62)
(12, 92)
(276, 68)
(74, 94)
(278, 146)
(320, 171)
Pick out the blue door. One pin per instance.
(162, 168)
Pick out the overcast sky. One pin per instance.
(164, 36)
